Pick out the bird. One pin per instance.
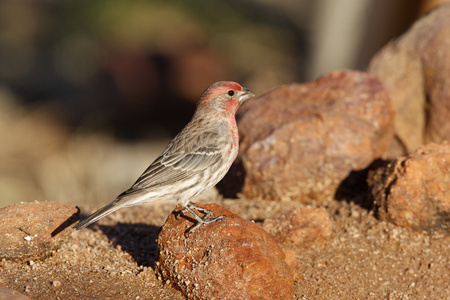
(194, 161)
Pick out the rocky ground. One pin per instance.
(363, 259)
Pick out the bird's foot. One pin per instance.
(206, 219)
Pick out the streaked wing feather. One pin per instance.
(172, 167)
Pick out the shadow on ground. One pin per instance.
(354, 187)
(139, 240)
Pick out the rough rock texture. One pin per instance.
(414, 69)
(300, 226)
(414, 191)
(34, 230)
(228, 259)
(299, 142)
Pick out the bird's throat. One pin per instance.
(232, 106)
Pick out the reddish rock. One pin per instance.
(414, 191)
(228, 259)
(414, 69)
(34, 230)
(300, 226)
(299, 142)
(292, 260)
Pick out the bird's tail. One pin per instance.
(102, 212)
(128, 198)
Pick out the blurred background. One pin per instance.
(92, 91)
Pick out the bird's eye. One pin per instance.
(230, 93)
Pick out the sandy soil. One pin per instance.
(364, 258)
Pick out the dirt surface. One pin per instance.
(363, 259)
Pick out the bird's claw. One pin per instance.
(206, 219)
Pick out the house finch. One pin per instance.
(196, 160)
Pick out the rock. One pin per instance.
(414, 191)
(34, 230)
(300, 227)
(291, 259)
(8, 294)
(299, 142)
(414, 69)
(228, 259)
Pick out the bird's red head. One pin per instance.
(225, 96)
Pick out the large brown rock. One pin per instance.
(299, 142)
(415, 70)
(228, 259)
(34, 230)
(414, 191)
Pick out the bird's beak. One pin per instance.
(244, 95)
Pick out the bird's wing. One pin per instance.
(171, 166)
(179, 162)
